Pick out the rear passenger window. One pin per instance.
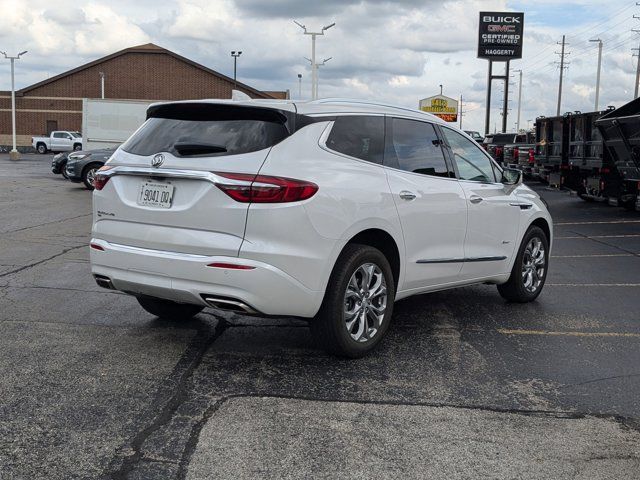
(414, 146)
(358, 136)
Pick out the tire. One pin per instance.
(168, 310)
(77, 147)
(63, 170)
(629, 205)
(41, 148)
(88, 173)
(525, 269)
(329, 327)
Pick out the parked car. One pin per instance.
(59, 163)
(82, 166)
(58, 141)
(495, 143)
(475, 135)
(309, 210)
(520, 154)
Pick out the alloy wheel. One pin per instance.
(533, 265)
(365, 302)
(91, 175)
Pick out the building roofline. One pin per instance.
(147, 48)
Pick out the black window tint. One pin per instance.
(204, 137)
(470, 159)
(358, 136)
(416, 148)
(59, 135)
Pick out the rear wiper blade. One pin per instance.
(195, 148)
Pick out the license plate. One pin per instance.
(158, 195)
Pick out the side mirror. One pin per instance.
(511, 176)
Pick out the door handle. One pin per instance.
(407, 195)
(475, 199)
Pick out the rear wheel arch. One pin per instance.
(383, 241)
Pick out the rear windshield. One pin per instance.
(218, 132)
(503, 139)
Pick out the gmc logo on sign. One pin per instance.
(501, 28)
(492, 19)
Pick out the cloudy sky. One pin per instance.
(393, 51)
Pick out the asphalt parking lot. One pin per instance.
(465, 385)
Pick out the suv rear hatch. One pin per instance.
(168, 187)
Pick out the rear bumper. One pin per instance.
(187, 278)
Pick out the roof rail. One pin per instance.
(368, 102)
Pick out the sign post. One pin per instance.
(499, 40)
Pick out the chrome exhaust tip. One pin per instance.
(232, 304)
(104, 282)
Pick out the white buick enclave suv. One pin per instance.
(328, 210)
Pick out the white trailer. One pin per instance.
(109, 122)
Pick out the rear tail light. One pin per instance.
(247, 188)
(95, 246)
(605, 170)
(532, 158)
(516, 153)
(100, 180)
(602, 185)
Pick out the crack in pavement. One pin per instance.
(45, 223)
(39, 262)
(172, 394)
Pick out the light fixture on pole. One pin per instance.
(315, 92)
(314, 70)
(598, 74)
(300, 85)
(101, 84)
(440, 89)
(13, 154)
(235, 56)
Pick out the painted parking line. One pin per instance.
(593, 284)
(506, 331)
(632, 235)
(596, 223)
(595, 255)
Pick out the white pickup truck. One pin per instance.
(58, 141)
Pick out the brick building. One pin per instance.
(144, 72)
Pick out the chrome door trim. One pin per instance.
(170, 173)
(460, 260)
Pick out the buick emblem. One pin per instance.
(157, 160)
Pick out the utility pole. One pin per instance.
(314, 66)
(300, 85)
(235, 56)
(598, 74)
(13, 154)
(562, 67)
(519, 99)
(635, 93)
(460, 111)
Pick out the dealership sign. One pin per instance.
(444, 107)
(500, 35)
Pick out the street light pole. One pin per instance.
(300, 86)
(102, 84)
(598, 74)
(235, 56)
(314, 66)
(13, 154)
(519, 100)
(315, 92)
